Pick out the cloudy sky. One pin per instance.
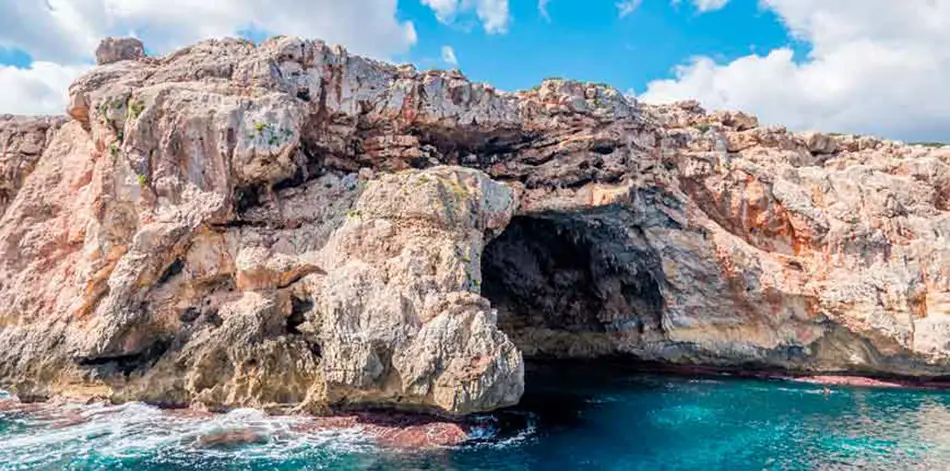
(870, 66)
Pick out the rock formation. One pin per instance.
(291, 227)
(22, 140)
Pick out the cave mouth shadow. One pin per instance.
(573, 284)
(560, 393)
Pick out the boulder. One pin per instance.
(119, 49)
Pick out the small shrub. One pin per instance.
(106, 105)
(136, 108)
(422, 180)
(272, 135)
(472, 280)
(702, 128)
(142, 179)
(354, 213)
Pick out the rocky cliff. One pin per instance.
(292, 227)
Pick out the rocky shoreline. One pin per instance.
(412, 431)
(846, 379)
(289, 227)
(386, 429)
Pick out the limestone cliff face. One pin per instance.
(291, 227)
(22, 141)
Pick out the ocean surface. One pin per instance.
(573, 416)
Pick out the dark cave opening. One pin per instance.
(573, 285)
(127, 363)
(299, 309)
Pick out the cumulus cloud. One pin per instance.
(493, 14)
(39, 89)
(66, 32)
(627, 7)
(445, 10)
(448, 56)
(875, 66)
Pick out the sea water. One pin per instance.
(573, 416)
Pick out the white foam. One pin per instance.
(487, 436)
(60, 435)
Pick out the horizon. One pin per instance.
(801, 64)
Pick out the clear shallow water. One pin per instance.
(573, 417)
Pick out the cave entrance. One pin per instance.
(570, 285)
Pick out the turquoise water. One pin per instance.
(573, 417)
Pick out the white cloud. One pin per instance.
(445, 10)
(709, 5)
(448, 56)
(703, 6)
(39, 89)
(627, 7)
(543, 9)
(875, 66)
(66, 32)
(493, 14)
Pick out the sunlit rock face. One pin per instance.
(288, 226)
(22, 140)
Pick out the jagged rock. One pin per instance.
(22, 141)
(819, 143)
(738, 120)
(288, 226)
(119, 49)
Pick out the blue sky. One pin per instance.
(862, 66)
(15, 57)
(589, 41)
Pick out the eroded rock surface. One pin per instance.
(119, 49)
(288, 226)
(22, 141)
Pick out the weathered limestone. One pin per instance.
(119, 49)
(22, 141)
(287, 226)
